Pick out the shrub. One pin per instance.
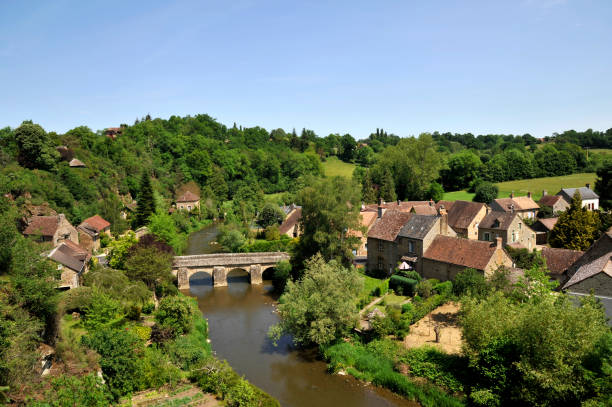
(410, 274)
(407, 286)
(470, 282)
(77, 299)
(424, 288)
(176, 313)
(133, 312)
(103, 312)
(148, 308)
(281, 275)
(445, 289)
(66, 390)
(158, 370)
(143, 332)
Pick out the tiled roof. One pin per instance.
(462, 252)
(447, 205)
(42, 225)
(95, 223)
(401, 206)
(424, 210)
(497, 220)
(290, 221)
(70, 255)
(559, 260)
(462, 213)
(387, 227)
(585, 193)
(521, 203)
(188, 197)
(418, 226)
(598, 259)
(549, 223)
(549, 200)
(366, 219)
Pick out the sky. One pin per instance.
(512, 67)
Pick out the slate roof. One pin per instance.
(70, 255)
(418, 226)
(462, 252)
(585, 193)
(188, 197)
(387, 227)
(497, 220)
(291, 220)
(42, 225)
(598, 259)
(559, 260)
(521, 203)
(462, 213)
(94, 224)
(549, 200)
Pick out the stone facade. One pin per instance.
(54, 229)
(510, 227)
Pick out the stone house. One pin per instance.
(559, 260)
(188, 201)
(90, 231)
(383, 253)
(593, 273)
(542, 229)
(464, 217)
(291, 224)
(415, 237)
(54, 229)
(73, 262)
(556, 202)
(366, 220)
(447, 256)
(510, 227)
(523, 205)
(590, 199)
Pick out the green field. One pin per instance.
(334, 167)
(604, 151)
(535, 185)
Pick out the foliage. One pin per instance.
(119, 250)
(320, 307)
(435, 192)
(524, 259)
(470, 282)
(231, 238)
(486, 192)
(436, 366)
(165, 229)
(103, 311)
(410, 274)
(424, 288)
(403, 285)
(270, 215)
(577, 228)
(149, 265)
(463, 168)
(330, 208)
(68, 391)
(115, 284)
(35, 147)
(176, 313)
(282, 274)
(603, 185)
(146, 203)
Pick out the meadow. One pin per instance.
(334, 167)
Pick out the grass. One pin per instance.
(600, 151)
(392, 299)
(334, 167)
(535, 185)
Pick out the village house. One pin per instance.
(556, 202)
(291, 224)
(73, 262)
(559, 260)
(416, 235)
(366, 220)
(90, 230)
(383, 253)
(523, 205)
(54, 229)
(447, 256)
(590, 199)
(510, 227)
(464, 217)
(592, 272)
(188, 201)
(542, 229)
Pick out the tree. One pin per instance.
(470, 282)
(330, 208)
(176, 313)
(463, 168)
(119, 250)
(387, 189)
(66, 391)
(435, 192)
(322, 306)
(368, 193)
(486, 192)
(577, 228)
(35, 147)
(231, 238)
(364, 156)
(349, 145)
(150, 266)
(603, 185)
(270, 215)
(146, 203)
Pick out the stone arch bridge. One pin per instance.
(219, 265)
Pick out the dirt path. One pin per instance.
(371, 304)
(446, 317)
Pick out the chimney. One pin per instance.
(399, 202)
(512, 207)
(498, 243)
(512, 194)
(544, 192)
(380, 211)
(431, 202)
(443, 221)
(588, 186)
(528, 194)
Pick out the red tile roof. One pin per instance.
(521, 203)
(366, 219)
(462, 213)
(549, 223)
(188, 197)
(424, 210)
(549, 200)
(387, 227)
(42, 225)
(559, 260)
(96, 223)
(462, 252)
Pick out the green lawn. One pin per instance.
(600, 151)
(535, 185)
(334, 167)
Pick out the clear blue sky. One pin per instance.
(517, 66)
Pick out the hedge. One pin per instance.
(406, 285)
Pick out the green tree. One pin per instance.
(149, 265)
(119, 250)
(463, 168)
(231, 238)
(486, 192)
(348, 145)
(368, 193)
(387, 189)
(270, 215)
(35, 147)
(176, 313)
(577, 228)
(322, 306)
(435, 192)
(146, 203)
(603, 185)
(470, 282)
(330, 208)
(364, 156)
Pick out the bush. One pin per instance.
(380, 274)
(445, 289)
(103, 312)
(148, 308)
(470, 282)
(66, 390)
(77, 299)
(486, 192)
(281, 275)
(176, 313)
(424, 288)
(403, 285)
(158, 370)
(133, 312)
(410, 274)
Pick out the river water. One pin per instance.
(239, 316)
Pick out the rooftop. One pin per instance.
(389, 225)
(418, 226)
(598, 259)
(96, 223)
(462, 252)
(585, 193)
(42, 225)
(559, 260)
(462, 213)
(497, 220)
(188, 197)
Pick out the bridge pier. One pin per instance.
(219, 276)
(183, 278)
(256, 274)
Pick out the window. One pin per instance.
(381, 246)
(411, 246)
(380, 263)
(487, 236)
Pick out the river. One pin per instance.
(239, 316)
